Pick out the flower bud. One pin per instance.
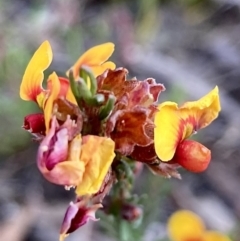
(34, 123)
(131, 212)
(77, 214)
(193, 156)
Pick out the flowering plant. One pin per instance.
(96, 128)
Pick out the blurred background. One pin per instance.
(188, 45)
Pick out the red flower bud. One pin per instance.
(193, 156)
(77, 214)
(34, 123)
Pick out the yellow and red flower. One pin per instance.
(185, 225)
(31, 86)
(175, 124)
(64, 157)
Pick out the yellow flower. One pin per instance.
(185, 225)
(31, 86)
(175, 124)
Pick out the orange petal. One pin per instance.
(95, 57)
(204, 110)
(215, 236)
(168, 131)
(97, 154)
(31, 85)
(185, 225)
(54, 88)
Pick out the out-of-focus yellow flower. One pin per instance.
(175, 124)
(185, 225)
(31, 86)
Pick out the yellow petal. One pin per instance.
(95, 57)
(63, 236)
(206, 109)
(97, 153)
(215, 236)
(54, 88)
(41, 98)
(97, 70)
(168, 130)
(185, 225)
(31, 85)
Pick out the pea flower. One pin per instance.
(175, 124)
(31, 86)
(84, 162)
(185, 225)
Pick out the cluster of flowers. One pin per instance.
(96, 119)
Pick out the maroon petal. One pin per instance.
(155, 88)
(145, 154)
(77, 214)
(127, 129)
(34, 123)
